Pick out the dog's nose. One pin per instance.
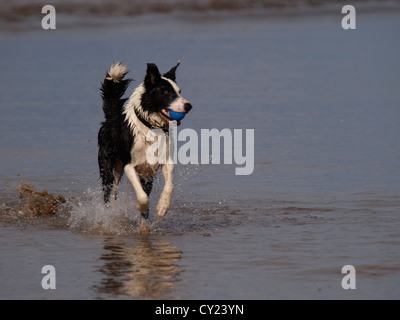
(187, 106)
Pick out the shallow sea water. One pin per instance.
(324, 104)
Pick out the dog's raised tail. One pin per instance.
(113, 88)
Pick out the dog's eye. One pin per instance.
(167, 92)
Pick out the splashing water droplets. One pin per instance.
(91, 214)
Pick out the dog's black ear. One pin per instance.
(171, 73)
(153, 76)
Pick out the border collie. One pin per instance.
(122, 136)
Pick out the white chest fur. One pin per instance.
(139, 158)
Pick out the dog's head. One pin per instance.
(161, 95)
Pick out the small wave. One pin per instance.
(15, 11)
(24, 14)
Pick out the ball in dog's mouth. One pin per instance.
(172, 115)
(178, 116)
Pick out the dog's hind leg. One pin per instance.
(107, 177)
(118, 171)
(109, 184)
(147, 185)
(111, 171)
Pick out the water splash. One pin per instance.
(87, 212)
(91, 214)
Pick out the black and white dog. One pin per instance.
(122, 136)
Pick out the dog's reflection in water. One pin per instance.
(142, 269)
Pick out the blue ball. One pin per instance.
(176, 115)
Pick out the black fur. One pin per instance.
(115, 139)
(159, 92)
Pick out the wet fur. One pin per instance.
(122, 136)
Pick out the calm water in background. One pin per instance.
(324, 104)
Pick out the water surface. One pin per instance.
(324, 104)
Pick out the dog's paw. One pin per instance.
(163, 205)
(144, 227)
(145, 230)
(142, 203)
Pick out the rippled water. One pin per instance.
(324, 104)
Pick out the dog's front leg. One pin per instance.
(142, 199)
(166, 195)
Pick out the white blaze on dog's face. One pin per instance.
(162, 94)
(180, 104)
